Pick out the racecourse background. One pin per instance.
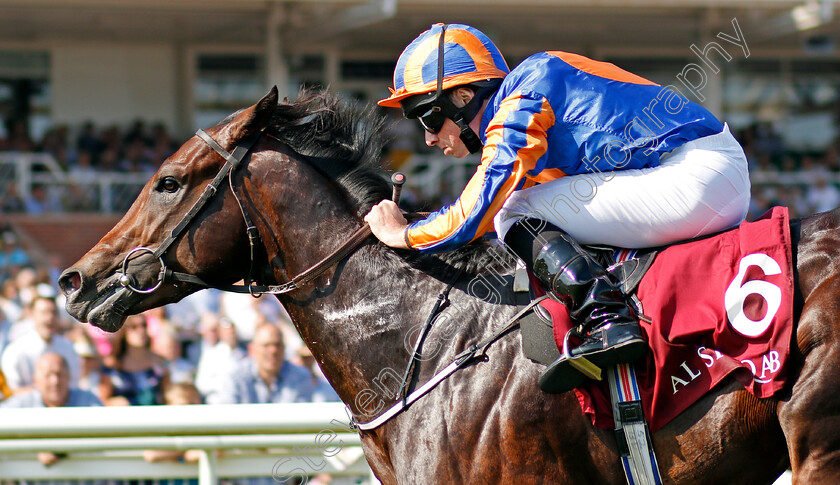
(114, 92)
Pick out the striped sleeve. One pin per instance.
(513, 153)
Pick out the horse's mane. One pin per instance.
(344, 141)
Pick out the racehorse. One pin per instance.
(309, 172)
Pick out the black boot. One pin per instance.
(607, 325)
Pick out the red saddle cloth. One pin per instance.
(716, 306)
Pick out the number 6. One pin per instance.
(737, 293)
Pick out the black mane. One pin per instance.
(341, 139)
(344, 141)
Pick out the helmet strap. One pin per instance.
(468, 136)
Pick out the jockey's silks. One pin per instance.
(562, 114)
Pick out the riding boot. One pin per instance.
(606, 324)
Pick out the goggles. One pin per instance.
(433, 120)
(431, 116)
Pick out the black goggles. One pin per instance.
(431, 110)
(432, 120)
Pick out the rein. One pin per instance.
(232, 161)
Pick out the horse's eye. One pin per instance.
(169, 184)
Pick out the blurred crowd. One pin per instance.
(138, 148)
(83, 155)
(805, 182)
(212, 348)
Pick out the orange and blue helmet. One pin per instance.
(468, 57)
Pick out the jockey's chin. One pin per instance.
(457, 150)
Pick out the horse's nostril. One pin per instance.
(70, 282)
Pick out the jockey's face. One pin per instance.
(448, 138)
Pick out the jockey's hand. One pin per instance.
(388, 224)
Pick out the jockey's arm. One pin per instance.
(515, 142)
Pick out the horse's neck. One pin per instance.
(357, 322)
(361, 318)
(349, 317)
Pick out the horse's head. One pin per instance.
(102, 287)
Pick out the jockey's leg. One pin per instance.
(700, 188)
(608, 326)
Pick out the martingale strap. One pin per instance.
(472, 353)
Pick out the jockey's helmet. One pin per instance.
(469, 57)
(443, 57)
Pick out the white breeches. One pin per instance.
(699, 188)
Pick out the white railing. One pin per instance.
(112, 192)
(259, 440)
(109, 192)
(427, 172)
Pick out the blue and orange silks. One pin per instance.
(560, 114)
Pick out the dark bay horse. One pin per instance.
(309, 178)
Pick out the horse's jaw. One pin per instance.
(106, 308)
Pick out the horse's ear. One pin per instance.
(257, 116)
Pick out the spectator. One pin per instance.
(219, 361)
(26, 281)
(243, 310)
(91, 369)
(40, 201)
(823, 196)
(10, 302)
(266, 377)
(83, 178)
(167, 345)
(4, 135)
(10, 200)
(52, 389)
(135, 375)
(12, 254)
(188, 313)
(87, 141)
(19, 140)
(18, 361)
(5, 391)
(109, 159)
(323, 390)
(5, 331)
(155, 320)
(208, 333)
(180, 394)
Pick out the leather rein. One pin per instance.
(234, 160)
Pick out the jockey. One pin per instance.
(573, 151)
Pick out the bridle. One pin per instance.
(233, 160)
